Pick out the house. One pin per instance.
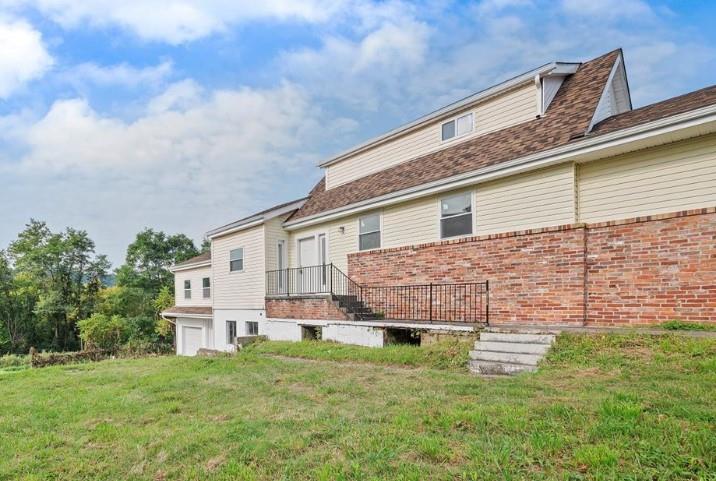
(545, 199)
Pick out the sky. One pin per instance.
(185, 115)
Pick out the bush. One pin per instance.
(13, 360)
(103, 332)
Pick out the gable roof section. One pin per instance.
(285, 208)
(657, 111)
(568, 118)
(202, 258)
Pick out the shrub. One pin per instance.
(13, 360)
(677, 325)
(103, 332)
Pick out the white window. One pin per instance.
(252, 328)
(206, 287)
(236, 260)
(369, 232)
(456, 215)
(230, 332)
(187, 289)
(457, 127)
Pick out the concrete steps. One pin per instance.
(503, 351)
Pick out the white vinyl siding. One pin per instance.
(526, 201)
(510, 108)
(674, 177)
(414, 222)
(274, 234)
(195, 276)
(340, 244)
(245, 289)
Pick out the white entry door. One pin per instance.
(308, 257)
(191, 340)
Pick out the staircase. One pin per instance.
(503, 350)
(355, 309)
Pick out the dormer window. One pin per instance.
(457, 127)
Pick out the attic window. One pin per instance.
(457, 127)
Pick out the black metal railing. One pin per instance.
(444, 302)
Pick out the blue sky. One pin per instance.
(184, 115)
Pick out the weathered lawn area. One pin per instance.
(602, 407)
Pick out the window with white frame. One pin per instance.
(206, 287)
(456, 215)
(369, 232)
(230, 332)
(457, 127)
(187, 289)
(252, 328)
(236, 260)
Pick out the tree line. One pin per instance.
(57, 293)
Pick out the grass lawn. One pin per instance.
(601, 407)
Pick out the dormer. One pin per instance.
(520, 99)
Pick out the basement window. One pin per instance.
(187, 289)
(457, 127)
(456, 215)
(311, 333)
(252, 328)
(230, 332)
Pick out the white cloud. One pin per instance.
(610, 9)
(23, 56)
(117, 75)
(178, 21)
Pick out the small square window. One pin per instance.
(230, 332)
(187, 289)
(236, 260)
(206, 287)
(252, 328)
(369, 232)
(457, 127)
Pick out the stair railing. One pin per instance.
(434, 302)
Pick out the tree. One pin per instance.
(164, 300)
(63, 277)
(16, 310)
(149, 258)
(103, 332)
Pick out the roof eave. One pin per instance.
(557, 155)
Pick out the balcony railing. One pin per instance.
(445, 302)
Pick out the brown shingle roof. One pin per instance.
(657, 111)
(196, 310)
(204, 256)
(568, 117)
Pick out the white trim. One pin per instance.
(605, 92)
(406, 324)
(555, 68)
(211, 235)
(184, 314)
(187, 267)
(566, 153)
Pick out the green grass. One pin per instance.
(14, 362)
(677, 325)
(601, 407)
(442, 355)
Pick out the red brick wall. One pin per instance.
(303, 308)
(534, 276)
(635, 271)
(654, 269)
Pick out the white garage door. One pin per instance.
(191, 340)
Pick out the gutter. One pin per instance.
(186, 267)
(588, 145)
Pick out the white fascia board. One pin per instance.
(567, 153)
(222, 231)
(557, 68)
(187, 267)
(255, 220)
(185, 315)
